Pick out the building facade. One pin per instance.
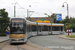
(33, 19)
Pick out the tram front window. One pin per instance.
(17, 28)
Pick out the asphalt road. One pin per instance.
(53, 42)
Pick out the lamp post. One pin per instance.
(67, 16)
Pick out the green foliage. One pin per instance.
(71, 23)
(71, 36)
(3, 13)
(47, 14)
(3, 34)
(64, 21)
(59, 21)
(72, 20)
(73, 27)
(53, 16)
(4, 21)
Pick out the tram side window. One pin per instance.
(39, 28)
(55, 28)
(34, 28)
(49, 28)
(45, 28)
(61, 28)
(29, 28)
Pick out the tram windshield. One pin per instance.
(17, 28)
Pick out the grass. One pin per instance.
(71, 36)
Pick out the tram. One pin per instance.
(21, 29)
(17, 30)
(47, 28)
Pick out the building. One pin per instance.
(33, 19)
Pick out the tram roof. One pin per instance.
(17, 18)
(46, 24)
(41, 24)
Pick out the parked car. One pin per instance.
(67, 31)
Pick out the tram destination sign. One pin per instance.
(17, 20)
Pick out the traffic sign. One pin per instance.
(70, 30)
(58, 17)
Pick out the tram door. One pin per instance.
(29, 30)
(56, 30)
(62, 29)
(40, 30)
(34, 30)
(45, 29)
(49, 29)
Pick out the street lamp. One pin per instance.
(67, 16)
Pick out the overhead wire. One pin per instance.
(19, 4)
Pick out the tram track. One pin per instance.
(28, 46)
(34, 47)
(6, 45)
(20, 48)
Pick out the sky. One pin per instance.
(39, 7)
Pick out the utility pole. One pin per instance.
(14, 9)
(27, 14)
(30, 15)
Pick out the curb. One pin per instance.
(4, 40)
(64, 37)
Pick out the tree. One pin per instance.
(64, 21)
(47, 14)
(71, 18)
(4, 21)
(53, 15)
(66, 17)
(71, 23)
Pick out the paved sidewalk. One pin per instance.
(3, 38)
(64, 37)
